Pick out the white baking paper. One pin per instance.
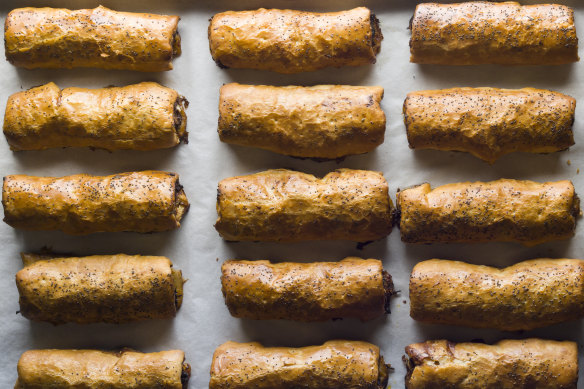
(203, 322)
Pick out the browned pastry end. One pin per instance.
(288, 41)
(525, 296)
(509, 364)
(100, 288)
(489, 122)
(335, 364)
(323, 121)
(504, 210)
(147, 201)
(317, 291)
(93, 369)
(504, 33)
(145, 116)
(288, 206)
(99, 38)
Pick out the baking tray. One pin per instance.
(203, 321)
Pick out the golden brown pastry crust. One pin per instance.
(100, 288)
(323, 121)
(288, 41)
(284, 205)
(99, 37)
(505, 33)
(504, 210)
(509, 364)
(489, 122)
(147, 201)
(145, 116)
(525, 296)
(93, 369)
(317, 291)
(336, 364)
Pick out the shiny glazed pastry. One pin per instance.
(509, 364)
(489, 122)
(147, 201)
(100, 288)
(525, 296)
(317, 291)
(288, 206)
(144, 116)
(99, 37)
(336, 364)
(93, 369)
(288, 41)
(323, 121)
(504, 211)
(505, 33)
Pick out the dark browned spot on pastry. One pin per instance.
(376, 35)
(176, 47)
(383, 376)
(180, 119)
(389, 289)
(185, 375)
(410, 365)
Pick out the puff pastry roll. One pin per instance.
(335, 364)
(525, 296)
(288, 206)
(93, 369)
(323, 121)
(97, 38)
(100, 288)
(504, 211)
(288, 41)
(517, 364)
(147, 201)
(317, 291)
(489, 122)
(144, 116)
(505, 33)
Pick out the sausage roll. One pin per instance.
(144, 116)
(504, 210)
(509, 364)
(99, 37)
(284, 205)
(101, 288)
(93, 369)
(489, 122)
(482, 32)
(316, 291)
(323, 121)
(335, 364)
(147, 201)
(288, 41)
(525, 296)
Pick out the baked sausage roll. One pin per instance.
(505, 33)
(288, 206)
(489, 122)
(335, 364)
(318, 291)
(323, 121)
(144, 116)
(504, 211)
(287, 41)
(97, 38)
(525, 296)
(93, 369)
(518, 364)
(147, 201)
(100, 288)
